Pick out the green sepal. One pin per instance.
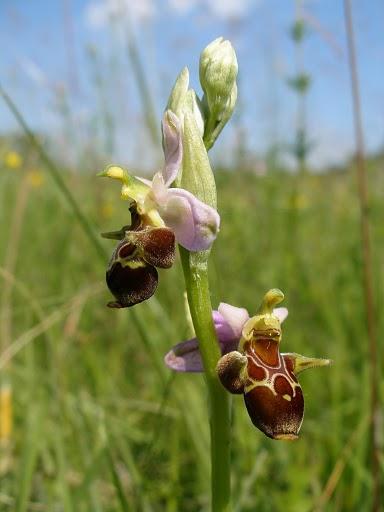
(179, 90)
(115, 235)
(183, 100)
(197, 174)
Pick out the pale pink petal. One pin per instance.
(225, 334)
(185, 356)
(144, 180)
(159, 189)
(194, 223)
(235, 317)
(281, 313)
(229, 321)
(173, 147)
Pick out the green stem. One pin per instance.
(195, 270)
(210, 136)
(213, 128)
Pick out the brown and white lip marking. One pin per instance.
(272, 394)
(131, 274)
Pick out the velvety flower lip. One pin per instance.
(131, 274)
(194, 223)
(229, 322)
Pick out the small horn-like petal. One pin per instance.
(115, 235)
(301, 363)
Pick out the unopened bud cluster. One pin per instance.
(218, 72)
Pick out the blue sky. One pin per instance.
(49, 72)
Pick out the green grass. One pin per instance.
(101, 425)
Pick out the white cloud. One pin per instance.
(229, 8)
(182, 6)
(99, 13)
(218, 8)
(35, 73)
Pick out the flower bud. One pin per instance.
(218, 72)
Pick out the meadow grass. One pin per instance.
(100, 424)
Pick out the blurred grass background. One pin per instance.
(100, 424)
(90, 418)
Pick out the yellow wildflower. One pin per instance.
(13, 160)
(5, 413)
(35, 178)
(299, 202)
(107, 210)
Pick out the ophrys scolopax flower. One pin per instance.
(161, 215)
(252, 365)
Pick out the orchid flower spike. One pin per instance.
(252, 365)
(160, 216)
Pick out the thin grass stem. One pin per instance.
(56, 175)
(143, 88)
(367, 259)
